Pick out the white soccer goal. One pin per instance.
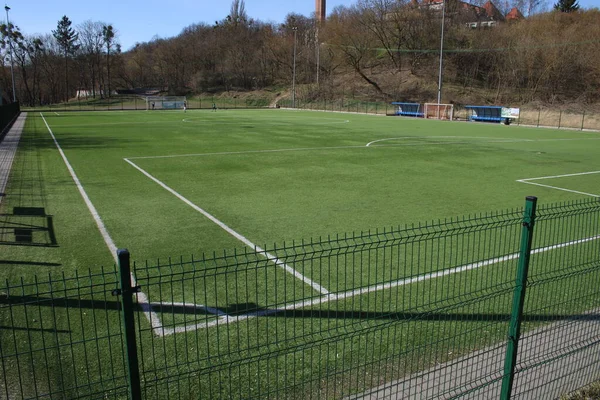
(438, 111)
(165, 102)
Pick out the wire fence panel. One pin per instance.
(61, 337)
(561, 338)
(414, 312)
(387, 305)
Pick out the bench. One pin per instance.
(408, 109)
(486, 114)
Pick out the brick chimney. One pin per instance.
(320, 9)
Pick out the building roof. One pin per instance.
(514, 15)
(487, 12)
(492, 11)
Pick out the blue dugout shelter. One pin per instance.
(408, 109)
(488, 114)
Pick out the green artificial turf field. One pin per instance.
(170, 184)
(274, 176)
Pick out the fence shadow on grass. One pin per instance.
(251, 309)
(30, 263)
(40, 330)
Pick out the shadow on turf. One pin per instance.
(250, 309)
(82, 141)
(33, 329)
(30, 263)
(253, 309)
(27, 226)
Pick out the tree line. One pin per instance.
(380, 49)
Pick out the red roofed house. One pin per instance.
(474, 16)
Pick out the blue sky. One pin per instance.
(141, 20)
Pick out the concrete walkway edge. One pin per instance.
(8, 150)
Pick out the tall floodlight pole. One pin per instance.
(439, 99)
(295, 29)
(12, 71)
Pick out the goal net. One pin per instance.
(438, 111)
(165, 102)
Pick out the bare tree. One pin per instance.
(91, 37)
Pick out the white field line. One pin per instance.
(484, 140)
(561, 176)
(488, 139)
(233, 233)
(528, 181)
(559, 188)
(328, 121)
(369, 289)
(141, 297)
(211, 310)
(225, 153)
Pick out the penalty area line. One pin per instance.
(141, 296)
(528, 181)
(257, 249)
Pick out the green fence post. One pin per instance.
(582, 119)
(539, 113)
(126, 292)
(514, 329)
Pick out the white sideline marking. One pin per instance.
(369, 289)
(233, 233)
(329, 121)
(141, 296)
(225, 153)
(528, 181)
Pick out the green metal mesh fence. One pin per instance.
(61, 337)
(415, 312)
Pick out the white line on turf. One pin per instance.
(491, 139)
(369, 289)
(233, 233)
(484, 140)
(141, 297)
(211, 310)
(528, 181)
(224, 153)
(559, 188)
(561, 176)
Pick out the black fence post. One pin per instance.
(514, 329)
(127, 292)
(582, 119)
(559, 119)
